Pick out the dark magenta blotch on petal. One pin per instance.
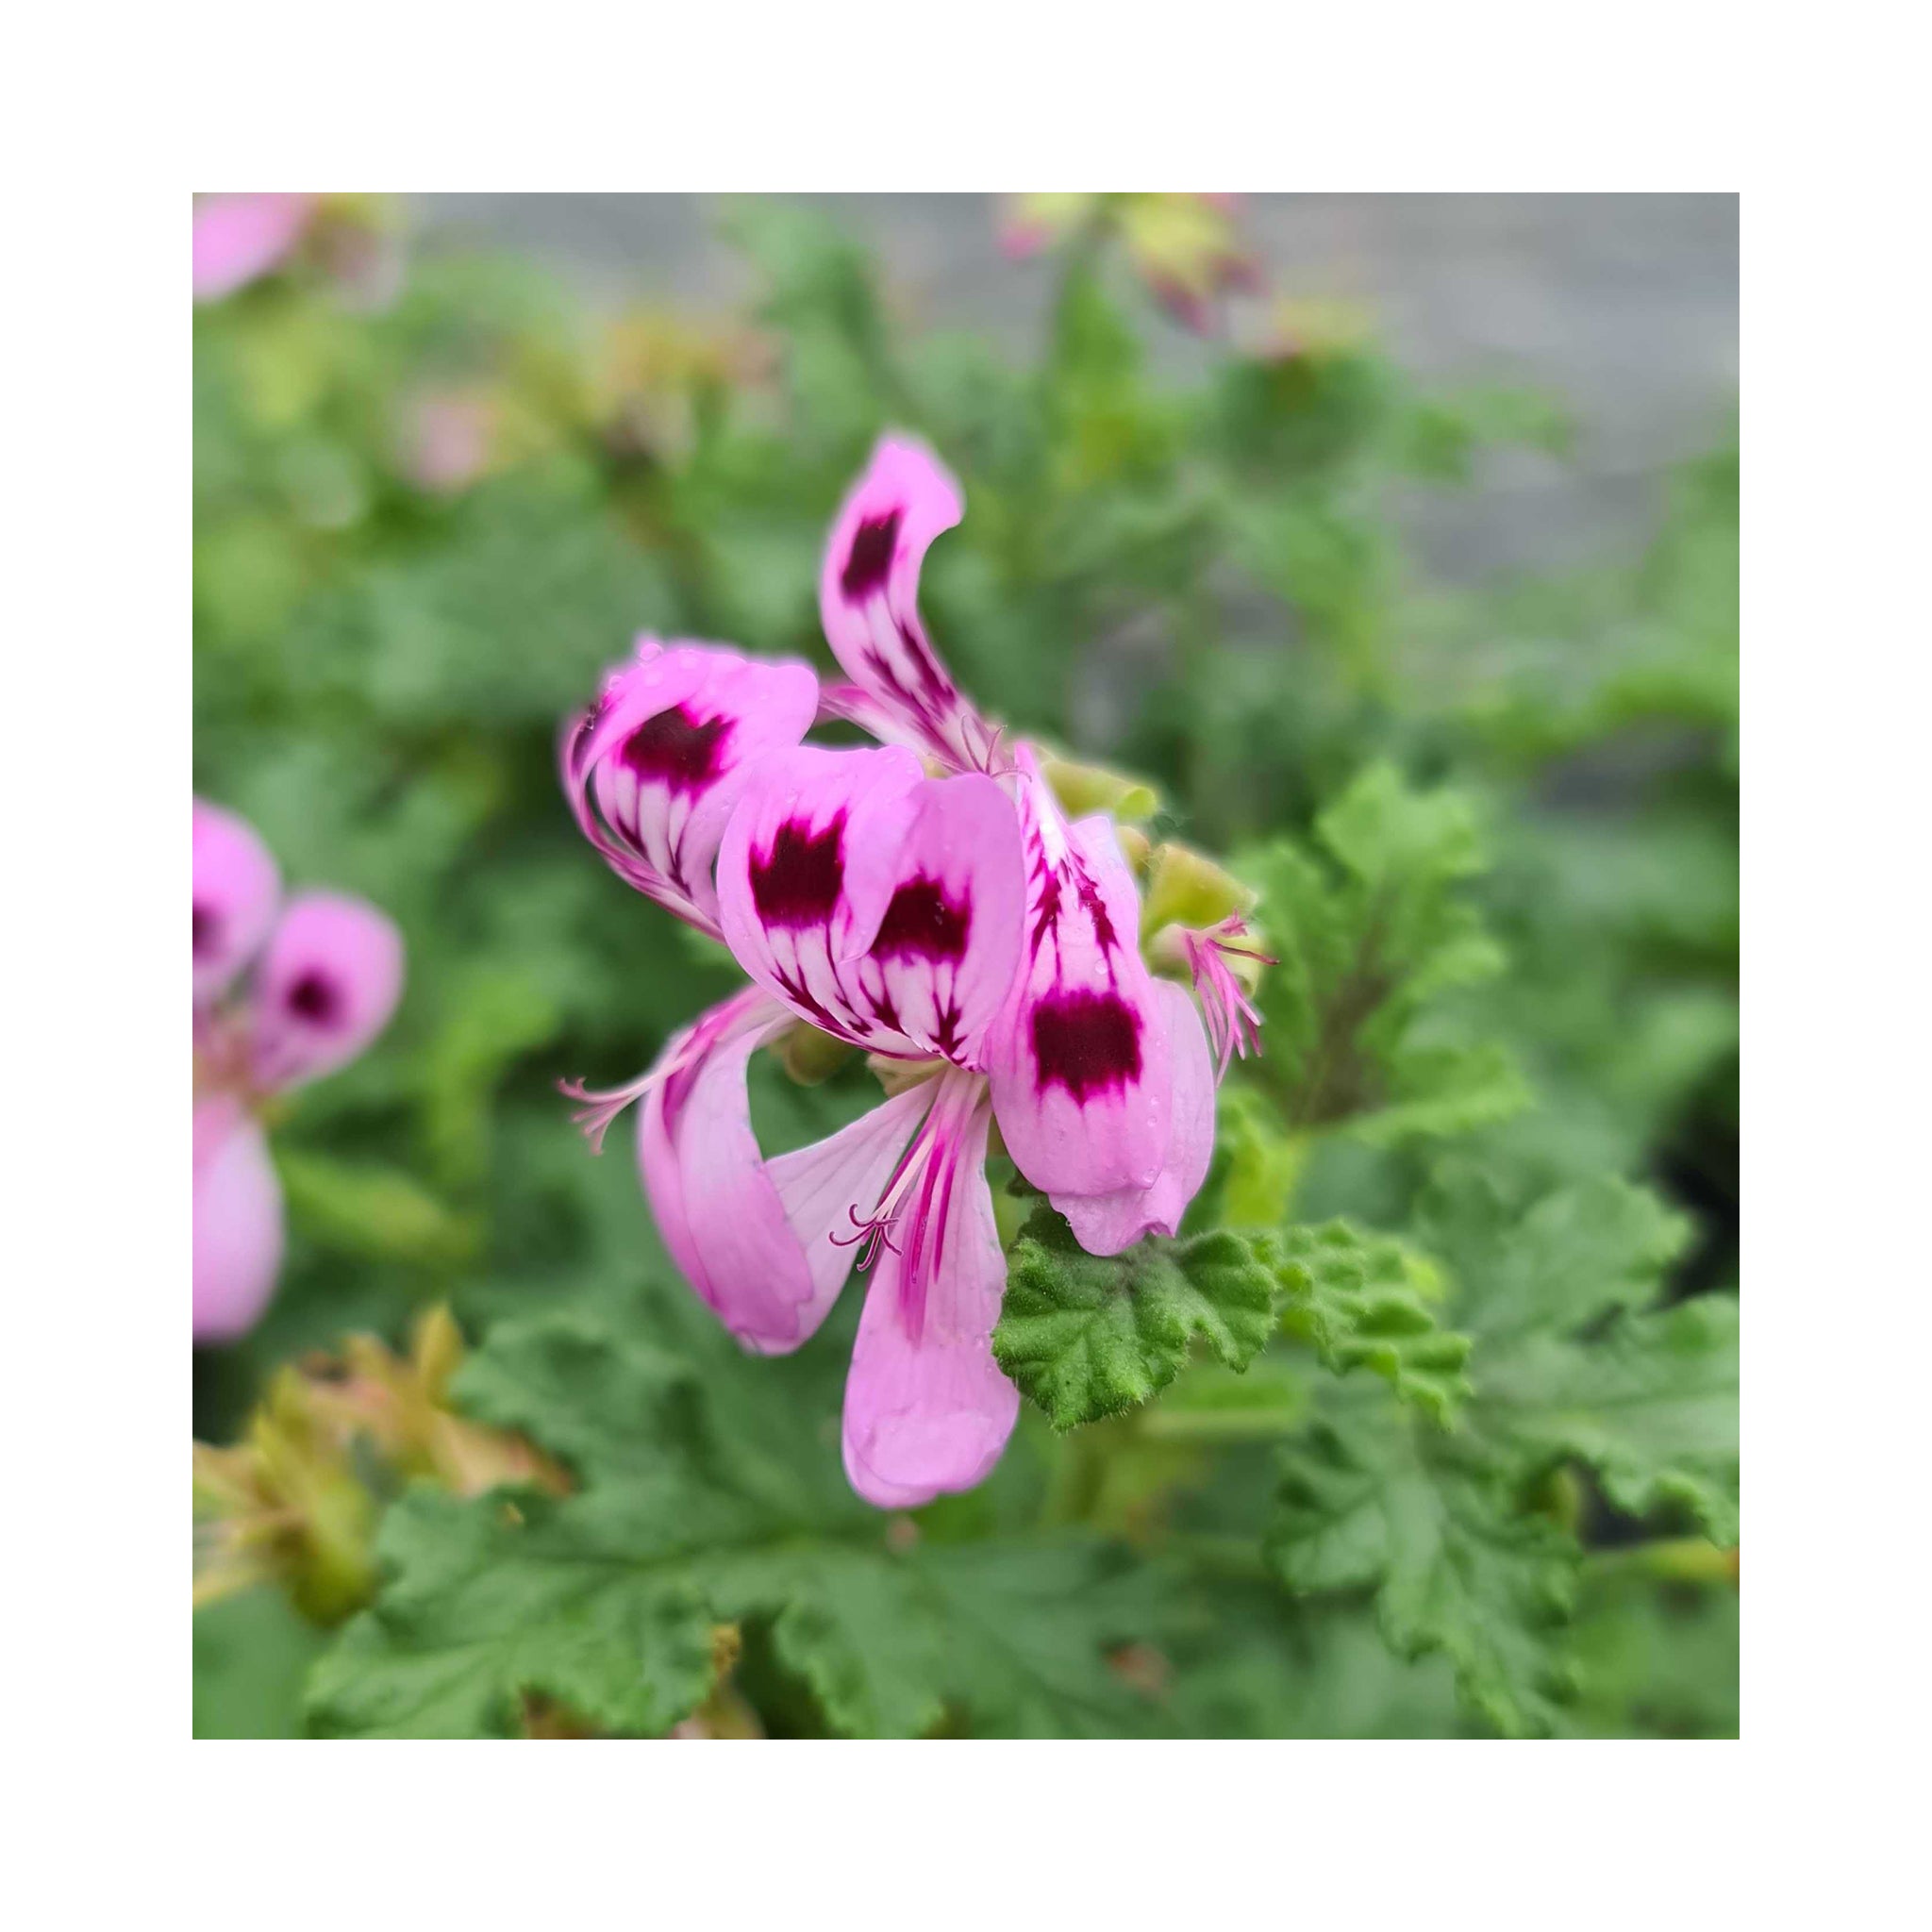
(871, 561)
(1088, 1042)
(1096, 907)
(315, 998)
(207, 926)
(798, 883)
(676, 750)
(923, 923)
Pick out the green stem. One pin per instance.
(1673, 1559)
(1078, 1472)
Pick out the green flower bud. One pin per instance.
(1187, 888)
(1083, 789)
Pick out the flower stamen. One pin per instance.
(1233, 1022)
(601, 1107)
(956, 1095)
(874, 1233)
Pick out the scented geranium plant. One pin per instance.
(1181, 1176)
(981, 948)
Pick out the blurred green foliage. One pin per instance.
(1445, 1440)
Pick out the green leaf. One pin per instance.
(1086, 1336)
(1457, 1568)
(704, 1505)
(1262, 1666)
(373, 1210)
(856, 1634)
(250, 1654)
(1570, 1364)
(1370, 934)
(489, 1603)
(819, 299)
(1018, 1621)
(1651, 1406)
(1368, 1301)
(444, 638)
(491, 1017)
(1574, 1255)
(1655, 1659)
(1256, 1164)
(1489, 1588)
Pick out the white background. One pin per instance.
(116, 115)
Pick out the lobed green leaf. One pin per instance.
(1086, 1336)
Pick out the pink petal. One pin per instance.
(653, 770)
(869, 597)
(241, 236)
(238, 1220)
(846, 704)
(326, 986)
(828, 1189)
(927, 1411)
(707, 1051)
(1106, 1224)
(881, 905)
(236, 887)
(1080, 1064)
(755, 1239)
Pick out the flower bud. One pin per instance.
(1187, 888)
(1083, 789)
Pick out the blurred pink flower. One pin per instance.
(353, 240)
(1028, 225)
(1187, 249)
(325, 976)
(240, 238)
(449, 439)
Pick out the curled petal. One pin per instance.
(927, 1411)
(868, 598)
(238, 1220)
(881, 905)
(240, 238)
(1080, 1067)
(236, 887)
(654, 768)
(846, 704)
(758, 1240)
(1107, 1224)
(329, 982)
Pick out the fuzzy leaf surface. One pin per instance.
(1086, 1336)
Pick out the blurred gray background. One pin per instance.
(1622, 307)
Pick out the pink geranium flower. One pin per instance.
(283, 994)
(930, 904)
(241, 238)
